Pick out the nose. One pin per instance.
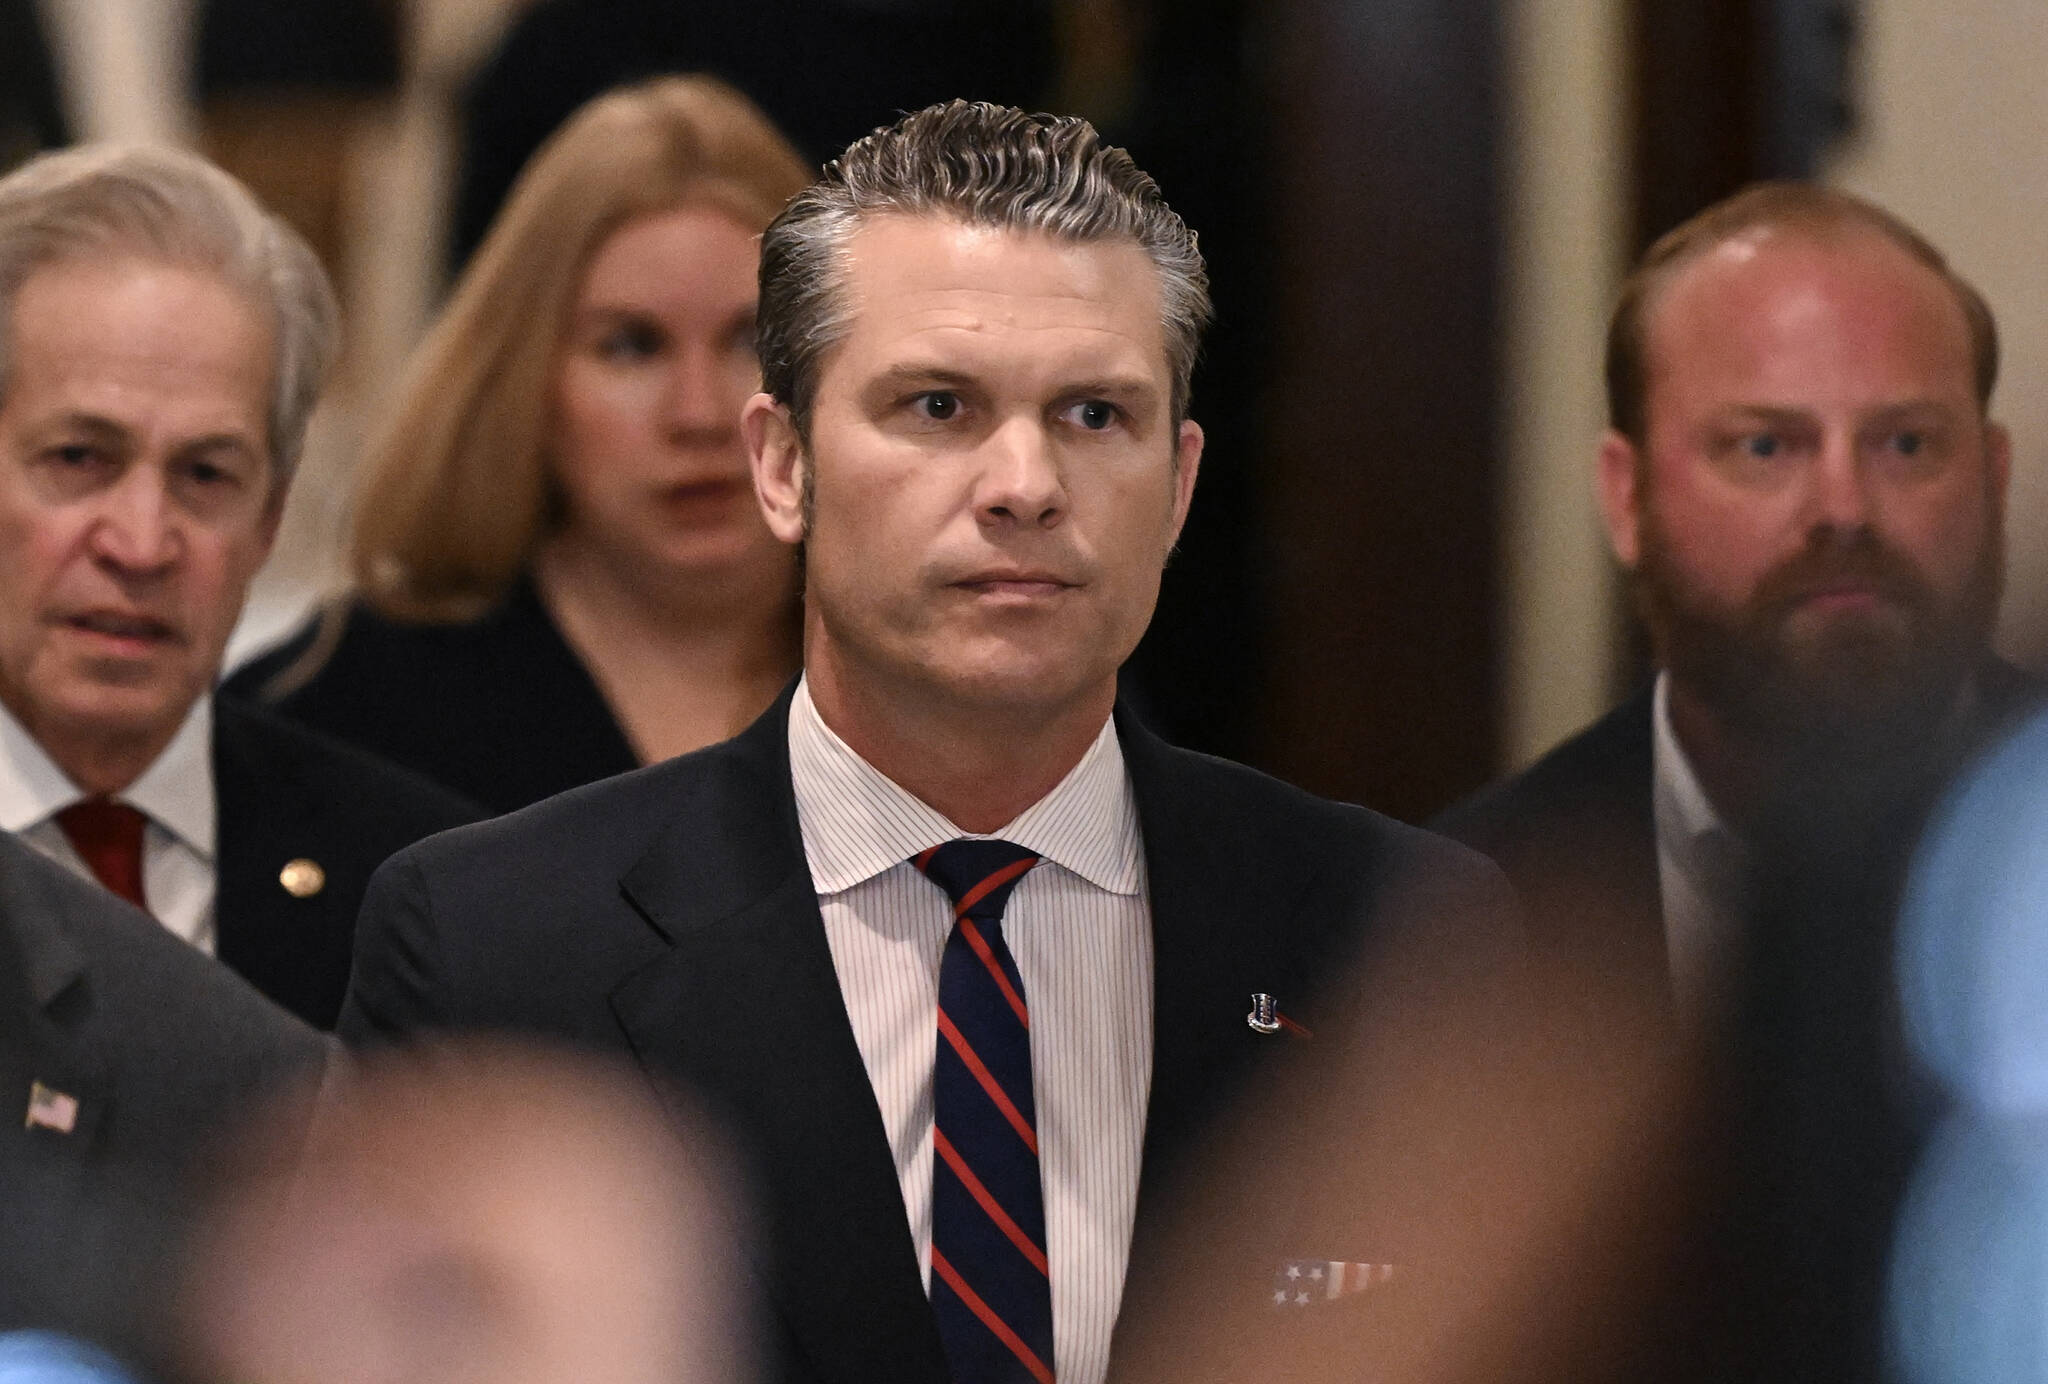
(136, 531)
(1839, 495)
(703, 395)
(1020, 482)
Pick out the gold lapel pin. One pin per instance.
(302, 878)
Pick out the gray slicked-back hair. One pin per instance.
(108, 202)
(986, 165)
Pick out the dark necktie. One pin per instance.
(108, 837)
(991, 1291)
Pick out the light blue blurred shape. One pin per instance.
(1969, 1278)
(1973, 934)
(45, 1357)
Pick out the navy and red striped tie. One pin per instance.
(991, 1290)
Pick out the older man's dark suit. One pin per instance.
(669, 914)
(285, 793)
(162, 1050)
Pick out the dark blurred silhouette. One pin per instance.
(826, 71)
(30, 118)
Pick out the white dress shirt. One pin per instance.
(175, 793)
(1080, 927)
(1700, 866)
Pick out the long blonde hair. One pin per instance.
(456, 490)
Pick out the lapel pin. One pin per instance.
(1265, 1017)
(49, 1109)
(1303, 1282)
(302, 878)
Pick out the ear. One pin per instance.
(1187, 450)
(273, 516)
(1998, 465)
(1620, 498)
(777, 456)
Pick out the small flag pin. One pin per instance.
(52, 1110)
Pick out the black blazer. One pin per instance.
(284, 794)
(1576, 832)
(498, 709)
(162, 1051)
(669, 915)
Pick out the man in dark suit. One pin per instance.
(1803, 484)
(969, 959)
(125, 1056)
(166, 342)
(1802, 479)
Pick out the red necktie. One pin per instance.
(108, 837)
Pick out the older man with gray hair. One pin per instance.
(163, 340)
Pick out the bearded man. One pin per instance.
(1802, 481)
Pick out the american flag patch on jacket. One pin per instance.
(1305, 1282)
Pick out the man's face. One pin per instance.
(995, 478)
(135, 498)
(1815, 522)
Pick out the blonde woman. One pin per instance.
(561, 570)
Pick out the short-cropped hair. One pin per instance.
(1787, 206)
(111, 202)
(984, 165)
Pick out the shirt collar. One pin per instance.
(175, 791)
(858, 823)
(1685, 815)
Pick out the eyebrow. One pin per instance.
(916, 375)
(101, 428)
(107, 430)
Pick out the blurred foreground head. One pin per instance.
(476, 1213)
(1466, 1183)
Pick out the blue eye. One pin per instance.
(939, 405)
(1762, 445)
(1095, 415)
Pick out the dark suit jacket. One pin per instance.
(1576, 832)
(1809, 1118)
(163, 1052)
(669, 914)
(284, 793)
(498, 709)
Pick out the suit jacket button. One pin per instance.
(302, 878)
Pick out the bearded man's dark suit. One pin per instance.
(153, 1052)
(1811, 1121)
(1576, 832)
(669, 915)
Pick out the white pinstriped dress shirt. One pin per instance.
(1080, 928)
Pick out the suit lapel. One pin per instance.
(262, 810)
(1221, 932)
(744, 1006)
(54, 1048)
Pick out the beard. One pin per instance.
(1800, 680)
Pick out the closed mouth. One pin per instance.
(119, 625)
